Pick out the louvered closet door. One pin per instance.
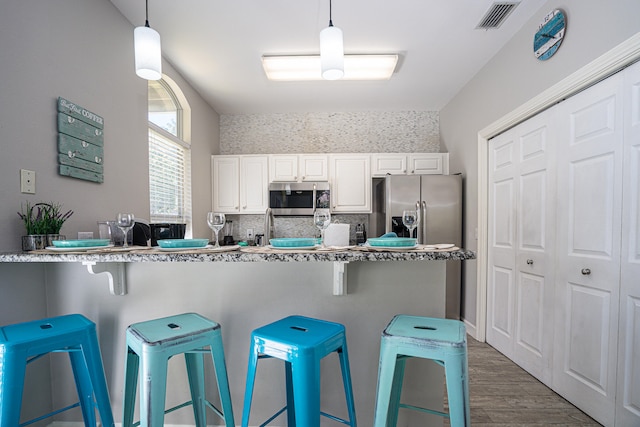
(520, 294)
(589, 174)
(628, 395)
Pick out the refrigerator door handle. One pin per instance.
(418, 232)
(423, 220)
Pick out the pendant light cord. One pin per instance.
(146, 22)
(330, 22)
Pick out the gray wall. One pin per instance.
(513, 77)
(82, 51)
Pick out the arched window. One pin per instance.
(169, 155)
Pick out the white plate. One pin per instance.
(293, 248)
(77, 249)
(443, 245)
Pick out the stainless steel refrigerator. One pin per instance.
(438, 198)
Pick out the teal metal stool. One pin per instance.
(301, 342)
(441, 340)
(150, 345)
(22, 343)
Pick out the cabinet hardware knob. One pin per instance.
(586, 271)
(530, 261)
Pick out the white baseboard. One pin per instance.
(471, 329)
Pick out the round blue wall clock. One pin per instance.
(548, 38)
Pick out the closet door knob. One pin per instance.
(586, 271)
(530, 261)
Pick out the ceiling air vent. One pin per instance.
(496, 15)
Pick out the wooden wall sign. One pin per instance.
(80, 142)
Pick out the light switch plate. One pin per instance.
(27, 181)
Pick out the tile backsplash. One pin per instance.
(346, 132)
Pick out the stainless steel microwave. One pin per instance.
(298, 198)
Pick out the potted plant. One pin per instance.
(42, 222)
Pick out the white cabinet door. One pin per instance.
(628, 393)
(313, 167)
(283, 168)
(521, 251)
(226, 183)
(388, 164)
(350, 183)
(588, 252)
(429, 164)
(254, 184)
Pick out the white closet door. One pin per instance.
(520, 297)
(628, 396)
(589, 168)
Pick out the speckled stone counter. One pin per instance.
(239, 256)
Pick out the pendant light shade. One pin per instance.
(148, 53)
(331, 51)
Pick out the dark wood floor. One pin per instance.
(503, 394)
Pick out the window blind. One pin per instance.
(169, 177)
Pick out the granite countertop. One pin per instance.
(246, 254)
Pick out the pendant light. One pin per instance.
(331, 51)
(148, 55)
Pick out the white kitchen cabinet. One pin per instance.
(298, 167)
(407, 164)
(240, 184)
(350, 179)
(225, 183)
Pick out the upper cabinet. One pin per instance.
(240, 184)
(298, 167)
(407, 164)
(350, 179)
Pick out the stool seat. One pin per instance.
(150, 345)
(301, 342)
(22, 343)
(441, 340)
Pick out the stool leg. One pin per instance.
(95, 368)
(306, 391)
(13, 366)
(386, 380)
(130, 386)
(346, 379)
(83, 386)
(220, 366)
(456, 371)
(153, 390)
(396, 391)
(248, 391)
(291, 413)
(195, 373)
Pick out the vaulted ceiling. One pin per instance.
(217, 46)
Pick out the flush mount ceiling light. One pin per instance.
(148, 55)
(307, 67)
(331, 51)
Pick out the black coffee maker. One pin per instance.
(166, 231)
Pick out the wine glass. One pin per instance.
(216, 221)
(322, 219)
(125, 222)
(410, 219)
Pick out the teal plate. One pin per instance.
(80, 243)
(392, 242)
(292, 242)
(183, 243)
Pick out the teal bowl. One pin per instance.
(392, 242)
(292, 242)
(84, 243)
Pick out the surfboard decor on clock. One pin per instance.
(80, 142)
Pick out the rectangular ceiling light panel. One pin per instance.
(307, 67)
